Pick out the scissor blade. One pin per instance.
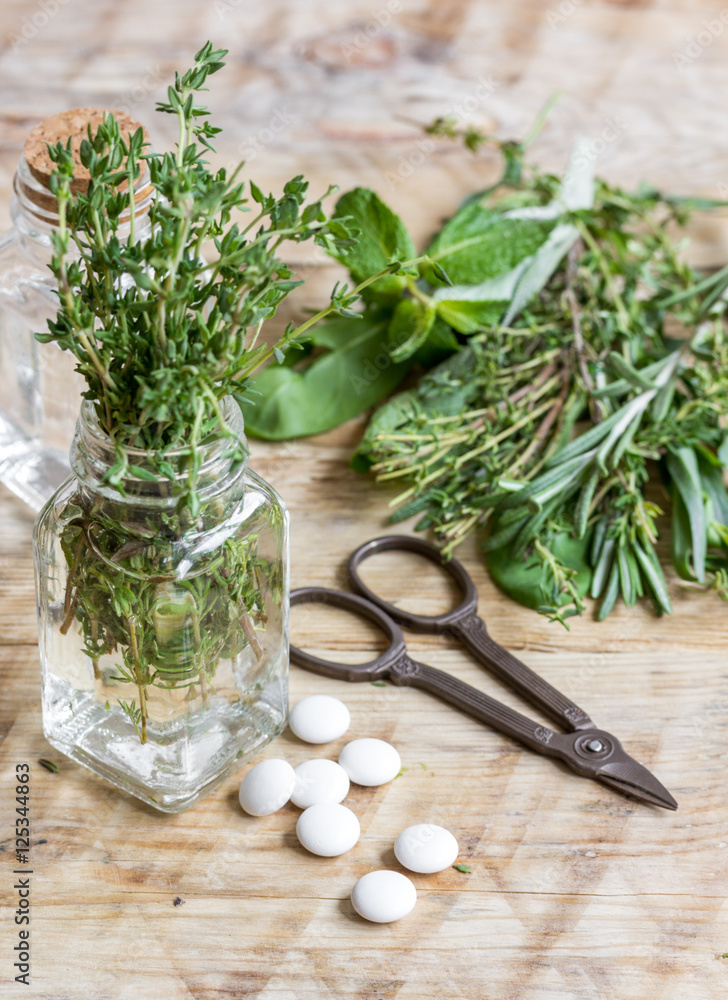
(634, 779)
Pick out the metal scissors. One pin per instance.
(589, 751)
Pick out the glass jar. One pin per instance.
(40, 391)
(163, 637)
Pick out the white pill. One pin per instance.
(267, 787)
(426, 848)
(370, 762)
(319, 781)
(319, 718)
(383, 896)
(327, 829)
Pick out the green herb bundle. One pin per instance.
(164, 334)
(587, 360)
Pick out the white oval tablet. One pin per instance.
(426, 848)
(267, 787)
(370, 762)
(319, 781)
(383, 896)
(319, 718)
(327, 829)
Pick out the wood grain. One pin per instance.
(575, 893)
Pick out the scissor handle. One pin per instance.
(473, 634)
(464, 624)
(397, 665)
(372, 669)
(436, 624)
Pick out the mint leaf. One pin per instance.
(382, 238)
(479, 243)
(463, 868)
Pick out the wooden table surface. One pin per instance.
(575, 892)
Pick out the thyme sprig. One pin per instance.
(164, 326)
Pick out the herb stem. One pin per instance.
(132, 623)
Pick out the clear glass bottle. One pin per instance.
(163, 638)
(40, 392)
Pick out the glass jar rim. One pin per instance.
(223, 458)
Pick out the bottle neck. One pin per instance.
(34, 209)
(220, 463)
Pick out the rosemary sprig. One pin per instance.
(545, 432)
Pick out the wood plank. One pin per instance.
(576, 893)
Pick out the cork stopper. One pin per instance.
(72, 123)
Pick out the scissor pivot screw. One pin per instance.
(596, 746)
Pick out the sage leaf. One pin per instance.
(395, 413)
(355, 373)
(680, 539)
(535, 276)
(527, 581)
(577, 192)
(714, 488)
